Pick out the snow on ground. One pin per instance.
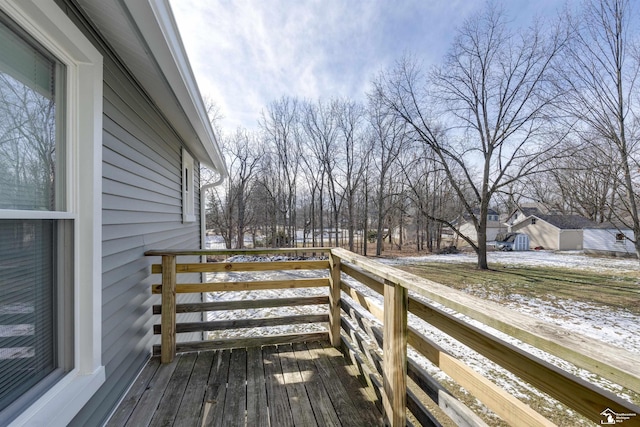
(616, 328)
(568, 259)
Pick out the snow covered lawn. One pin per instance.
(616, 328)
(568, 259)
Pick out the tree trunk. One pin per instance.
(351, 222)
(482, 248)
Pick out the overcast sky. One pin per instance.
(247, 53)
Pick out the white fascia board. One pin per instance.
(156, 24)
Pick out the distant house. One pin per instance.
(609, 239)
(103, 133)
(555, 232)
(494, 226)
(520, 213)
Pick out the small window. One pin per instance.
(533, 221)
(188, 188)
(620, 238)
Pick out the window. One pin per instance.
(620, 238)
(533, 221)
(33, 255)
(188, 188)
(50, 220)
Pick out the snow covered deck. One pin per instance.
(301, 384)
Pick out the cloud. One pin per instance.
(247, 53)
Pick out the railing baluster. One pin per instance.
(395, 353)
(334, 301)
(168, 317)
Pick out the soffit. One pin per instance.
(142, 33)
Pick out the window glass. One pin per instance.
(30, 138)
(27, 323)
(188, 188)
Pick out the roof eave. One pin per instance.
(159, 63)
(157, 25)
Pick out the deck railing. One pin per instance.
(368, 306)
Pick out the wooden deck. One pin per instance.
(301, 384)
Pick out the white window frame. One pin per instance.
(45, 22)
(188, 188)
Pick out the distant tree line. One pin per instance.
(547, 113)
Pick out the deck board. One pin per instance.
(190, 409)
(279, 410)
(345, 404)
(320, 400)
(257, 412)
(303, 384)
(172, 396)
(236, 398)
(127, 406)
(295, 386)
(213, 405)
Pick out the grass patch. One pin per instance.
(553, 285)
(619, 290)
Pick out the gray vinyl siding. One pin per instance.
(141, 210)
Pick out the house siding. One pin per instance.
(141, 210)
(603, 241)
(570, 240)
(549, 236)
(493, 228)
(540, 234)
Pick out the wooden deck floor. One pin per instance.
(302, 384)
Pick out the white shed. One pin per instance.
(521, 242)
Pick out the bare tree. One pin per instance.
(279, 124)
(484, 114)
(601, 69)
(356, 153)
(388, 137)
(430, 194)
(28, 148)
(583, 184)
(207, 176)
(228, 203)
(321, 130)
(313, 173)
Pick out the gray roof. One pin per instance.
(609, 226)
(530, 211)
(568, 222)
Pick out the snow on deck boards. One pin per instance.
(302, 384)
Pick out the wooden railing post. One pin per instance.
(168, 317)
(334, 300)
(395, 353)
